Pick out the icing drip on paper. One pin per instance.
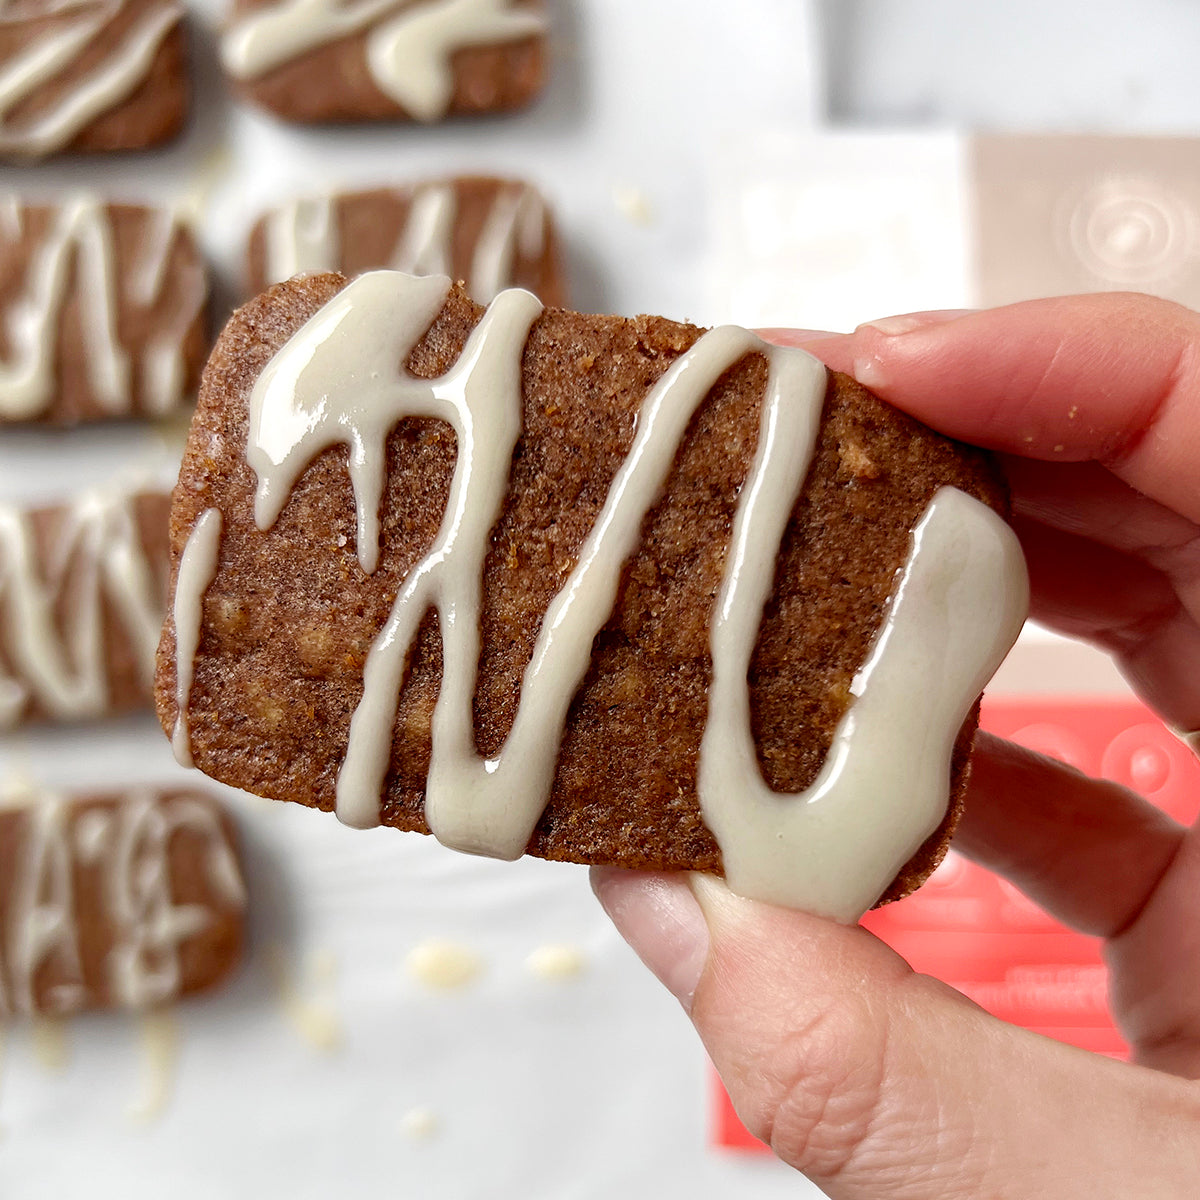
(197, 566)
(129, 843)
(159, 1031)
(81, 233)
(55, 53)
(55, 645)
(959, 605)
(409, 47)
(302, 236)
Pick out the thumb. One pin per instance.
(878, 1082)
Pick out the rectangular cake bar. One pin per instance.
(490, 233)
(82, 596)
(90, 75)
(102, 311)
(116, 900)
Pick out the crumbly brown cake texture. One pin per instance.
(418, 61)
(121, 81)
(491, 233)
(290, 615)
(116, 899)
(113, 304)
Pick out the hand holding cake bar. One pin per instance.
(597, 589)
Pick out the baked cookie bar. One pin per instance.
(361, 60)
(119, 900)
(491, 233)
(596, 589)
(102, 311)
(82, 596)
(89, 75)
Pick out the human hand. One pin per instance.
(880, 1083)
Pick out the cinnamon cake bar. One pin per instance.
(116, 900)
(418, 60)
(595, 589)
(102, 311)
(491, 233)
(90, 75)
(82, 594)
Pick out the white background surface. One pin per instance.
(539, 1088)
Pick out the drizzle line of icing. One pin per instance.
(197, 566)
(129, 842)
(81, 233)
(302, 236)
(960, 603)
(54, 53)
(56, 648)
(408, 47)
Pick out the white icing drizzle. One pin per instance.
(425, 245)
(959, 605)
(42, 913)
(81, 233)
(516, 220)
(129, 842)
(54, 53)
(408, 52)
(301, 236)
(197, 566)
(59, 658)
(143, 964)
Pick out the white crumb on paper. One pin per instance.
(633, 204)
(556, 962)
(159, 1029)
(443, 966)
(419, 1124)
(308, 1003)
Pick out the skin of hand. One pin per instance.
(880, 1083)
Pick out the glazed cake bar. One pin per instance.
(596, 589)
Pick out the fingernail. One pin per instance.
(795, 337)
(909, 322)
(660, 919)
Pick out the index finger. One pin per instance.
(1113, 378)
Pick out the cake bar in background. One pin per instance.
(82, 597)
(120, 900)
(90, 75)
(490, 233)
(102, 311)
(386, 59)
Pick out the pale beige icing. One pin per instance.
(81, 235)
(60, 661)
(197, 566)
(556, 962)
(129, 843)
(103, 88)
(408, 46)
(159, 1037)
(301, 236)
(959, 603)
(425, 245)
(307, 1002)
(443, 966)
